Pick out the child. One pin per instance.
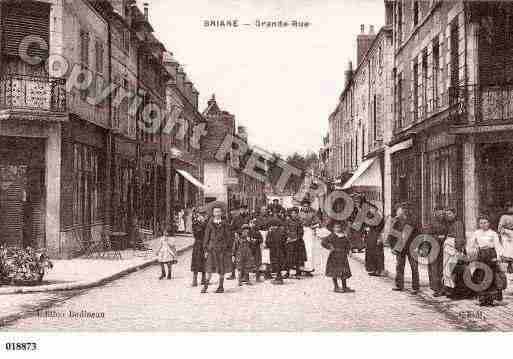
(275, 241)
(256, 247)
(242, 255)
(166, 255)
(337, 265)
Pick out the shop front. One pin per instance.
(495, 177)
(442, 174)
(406, 178)
(368, 181)
(22, 192)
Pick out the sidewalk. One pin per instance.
(82, 273)
(75, 274)
(499, 317)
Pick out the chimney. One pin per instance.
(389, 12)
(195, 95)
(170, 64)
(188, 88)
(363, 43)
(242, 132)
(145, 5)
(348, 74)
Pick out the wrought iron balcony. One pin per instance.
(33, 93)
(491, 104)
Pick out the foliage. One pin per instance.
(23, 266)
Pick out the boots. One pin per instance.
(203, 278)
(220, 289)
(195, 280)
(163, 275)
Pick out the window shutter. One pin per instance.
(22, 19)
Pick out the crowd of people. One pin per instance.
(276, 244)
(270, 244)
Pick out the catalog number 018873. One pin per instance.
(28, 346)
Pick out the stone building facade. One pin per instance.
(76, 162)
(359, 125)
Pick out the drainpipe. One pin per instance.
(110, 163)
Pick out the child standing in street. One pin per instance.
(337, 266)
(242, 254)
(166, 255)
(275, 241)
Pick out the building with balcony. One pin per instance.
(451, 97)
(77, 159)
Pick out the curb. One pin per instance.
(85, 284)
(441, 307)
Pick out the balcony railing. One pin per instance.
(487, 103)
(32, 93)
(451, 100)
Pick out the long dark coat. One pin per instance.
(374, 253)
(295, 246)
(243, 254)
(275, 241)
(198, 252)
(256, 246)
(337, 264)
(218, 242)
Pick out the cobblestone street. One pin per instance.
(140, 302)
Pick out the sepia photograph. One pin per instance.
(244, 166)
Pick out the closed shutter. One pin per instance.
(22, 19)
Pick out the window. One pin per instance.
(126, 41)
(442, 179)
(436, 69)
(415, 91)
(375, 117)
(425, 81)
(415, 13)
(99, 56)
(399, 23)
(399, 102)
(84, 48)
(455, 65)
(88, 175)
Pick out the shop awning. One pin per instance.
(368, 174)
(191, 179)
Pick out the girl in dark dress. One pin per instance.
(275, 241)
(256, 247)
(337, 266)
(243, 255)
(198, 253)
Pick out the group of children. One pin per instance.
(220, 247)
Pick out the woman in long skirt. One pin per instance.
(198, 252)
(486, 242)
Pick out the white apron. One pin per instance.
(450, 261)
(266, 258)
(309, 239)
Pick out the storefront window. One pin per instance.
(88, 170)
(442, 179)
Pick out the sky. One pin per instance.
(281, 83)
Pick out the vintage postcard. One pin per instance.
(255, 166)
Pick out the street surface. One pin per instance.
(140, 302)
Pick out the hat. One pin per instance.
(245, 226)
(294, 209)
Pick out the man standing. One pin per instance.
(310, 222)
(218, 244)
(404, 232)
(374, 252)
(438, 229)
